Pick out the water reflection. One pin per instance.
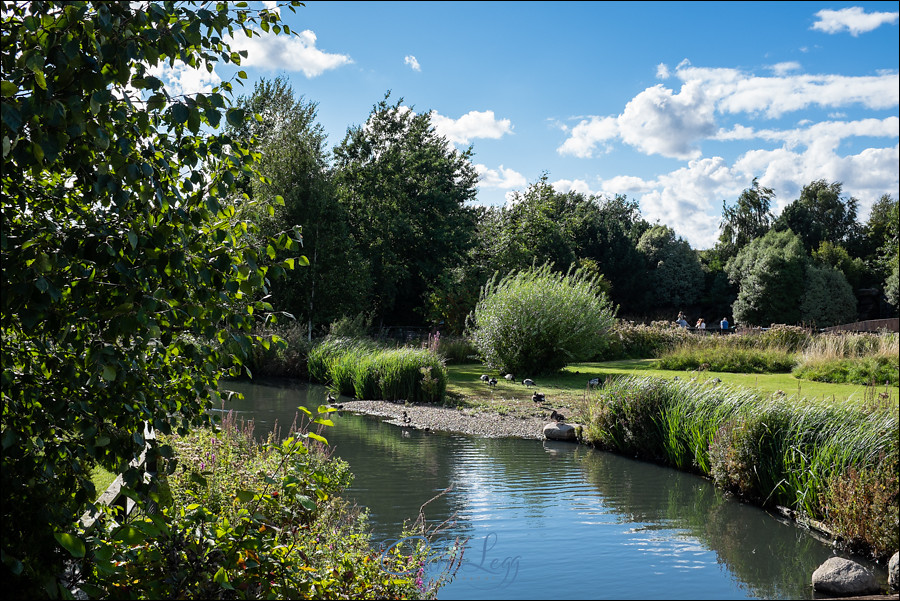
(557, 519)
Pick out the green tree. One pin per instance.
(827, 299)
(130, 285)
(405, 188)
(821, 213)
(748, 219)
(770, 275)
(538, 321)
(529, 230)
(675, 278)
(295, 165)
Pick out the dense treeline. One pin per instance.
(392, 234)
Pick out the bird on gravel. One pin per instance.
(528, 382)
(559, 417)
(538, 397)
(406, 418)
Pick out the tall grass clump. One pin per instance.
(722, 354)
(365, 370)
(852, 359)
(538, 321)
(454, 349)
(628, 340)
(810, 457)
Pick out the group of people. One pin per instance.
(701, 323)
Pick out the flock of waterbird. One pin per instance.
(538, 397)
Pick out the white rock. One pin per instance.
(560, 431)
(844, 578)
(894, 572)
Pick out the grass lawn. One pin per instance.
(568, 388)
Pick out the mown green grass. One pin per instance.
(568, 387)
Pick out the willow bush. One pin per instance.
(538, 321)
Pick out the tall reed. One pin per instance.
(367, 371)
(773, 451)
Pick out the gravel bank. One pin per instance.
(444, 419)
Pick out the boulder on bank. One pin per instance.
(894, 572)
(843, 578)
(560, 431)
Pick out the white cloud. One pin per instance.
(291, 52)
(662, 71)
(656, 121)
(272, 5)
(412, 62)
(181, 79)
(785, 68)
(735, 92)
(853, 19)
(578, 185)
(587, 134)
(502, 178)
(474, 124)
(662, 121)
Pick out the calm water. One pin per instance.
(556, 520)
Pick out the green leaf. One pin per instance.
(133, 240)
(180, 113)
(235, 117)
(222, 578)
(129, 535)
(109, 373)
(72, 544)
(245, 496)
(315, 436)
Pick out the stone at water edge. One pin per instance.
(560, 431)
(894, 572)
(844, 578)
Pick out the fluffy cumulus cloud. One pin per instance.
(854, 20)
(289, 52)
(412, 62)
(474, 124)
(660, 120)
(181, 79)
(577, 185)
(503, 178)
(588, 134)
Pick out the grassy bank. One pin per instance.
(569, 388)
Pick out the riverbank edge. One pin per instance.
(487, 424)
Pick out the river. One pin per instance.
(549, 520)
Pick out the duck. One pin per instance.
(492, 382)
(406, 418)
(559, 417)
(594, 382)
(509, 377)
(484, 377)
(528, 382)
(329, 398)
(538, 397)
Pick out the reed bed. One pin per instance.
(772, 451)
(851, 358)
(365, 370)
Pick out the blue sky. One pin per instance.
(676, 105)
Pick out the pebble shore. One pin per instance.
(445, 419)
